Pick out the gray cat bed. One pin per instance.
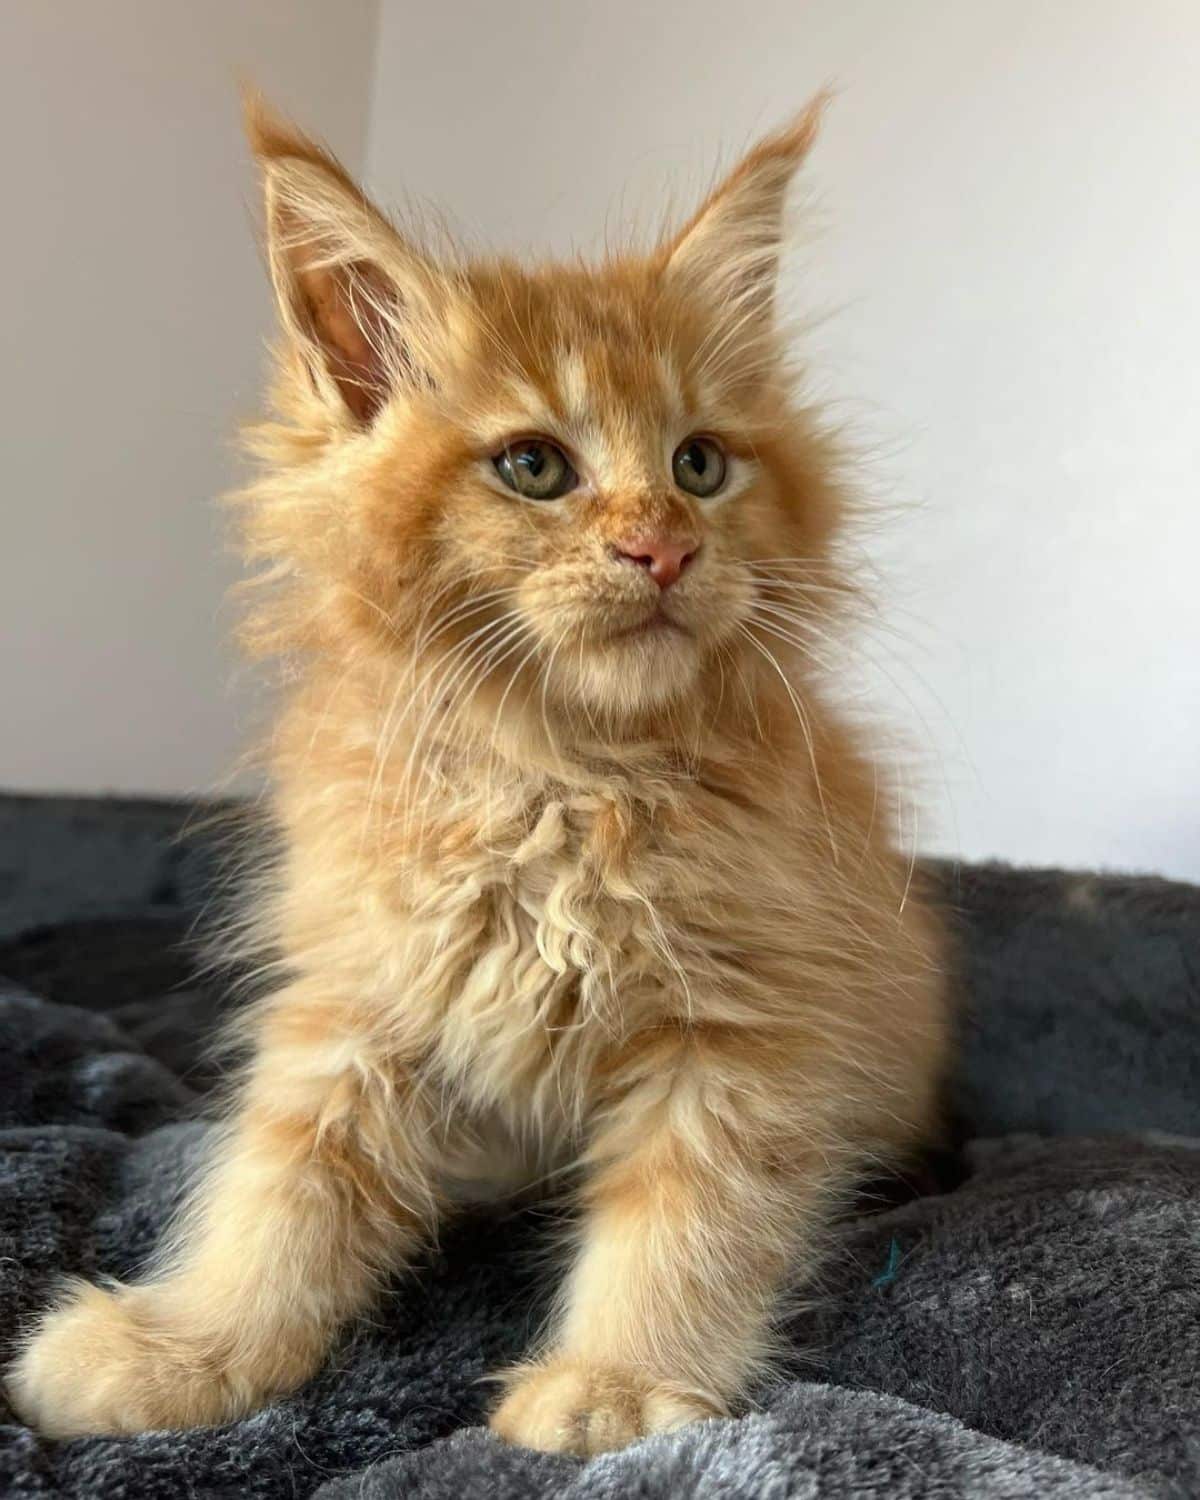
(1022, 1318)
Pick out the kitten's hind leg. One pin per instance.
(318, 1185)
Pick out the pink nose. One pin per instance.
(662, 557)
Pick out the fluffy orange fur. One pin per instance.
(577, 869)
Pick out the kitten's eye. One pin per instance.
(699, 467)
(536, 469)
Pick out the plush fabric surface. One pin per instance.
(1027, 1324)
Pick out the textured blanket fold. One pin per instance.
(1031, 1329)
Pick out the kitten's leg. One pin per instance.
(711, 1182)
(317, 1186)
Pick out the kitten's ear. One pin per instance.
(356, 300)
(728, 252)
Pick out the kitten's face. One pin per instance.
(594, 493)
(566, 478)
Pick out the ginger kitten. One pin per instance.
(579, 866)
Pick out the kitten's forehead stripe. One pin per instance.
(579, 398)
(573, 385)
(672, 389)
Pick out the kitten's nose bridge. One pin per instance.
(652, 531)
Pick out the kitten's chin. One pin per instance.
(639, 669)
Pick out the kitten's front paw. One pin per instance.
(107, 1362)
(574, 1406)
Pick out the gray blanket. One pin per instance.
(1022, 1319)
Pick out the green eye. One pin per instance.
(536, 469)
(699, 467)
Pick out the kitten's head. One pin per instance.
(581, 482)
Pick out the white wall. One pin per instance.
(134, 312)
(1009, 204)
(1008, 201)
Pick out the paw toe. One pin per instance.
(571, 1406)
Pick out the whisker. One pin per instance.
(805, 729)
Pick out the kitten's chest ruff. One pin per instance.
(532, 957)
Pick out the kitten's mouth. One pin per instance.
(657, 624)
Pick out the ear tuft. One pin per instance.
(728, 252)
(275, 140)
